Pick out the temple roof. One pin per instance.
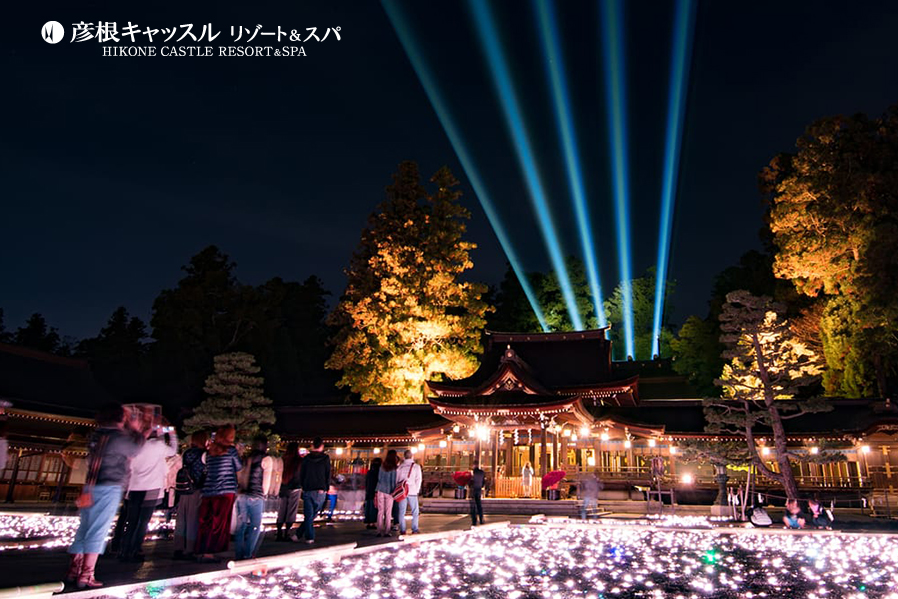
(35, 380)
(533, 368)
(375, 423)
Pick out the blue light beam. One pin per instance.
(615, 93)
(684, 23)
(489, 35)
(548, 29)
(404, 32)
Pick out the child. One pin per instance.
(792, 518)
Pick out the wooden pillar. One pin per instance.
(597, 451)
(510, 468)
(494, 458)
(544, 453)
(562, 453)
(12, 479)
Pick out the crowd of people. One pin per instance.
(217, 489)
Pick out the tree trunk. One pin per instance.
(776, 424)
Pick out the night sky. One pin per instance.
(116, 170)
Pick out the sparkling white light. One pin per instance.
(596, 562)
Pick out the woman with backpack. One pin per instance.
(188, 485)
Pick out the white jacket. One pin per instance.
(148, 467)
(410, 471)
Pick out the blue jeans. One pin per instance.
(96, 519)
(249, 526)
(476, 505)
(332, 504)
(588, 504)
(311, 505)
(411, 500)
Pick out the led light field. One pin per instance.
(619, 562)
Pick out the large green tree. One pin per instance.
(643, 298)
(117, 355)
(406, 316)
(513, 312)
(552, 300)
(4, 334)
(834, 219)
(37, 334)
(766, 365)
(234, 396)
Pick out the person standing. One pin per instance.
(370, 491)
(222, 464)
(146, 487)
(383, 496)
(314, 478)
(255, 484)
(478, 481)
(289, 492)
(527, 480)
(189, 483)
(589, 493)
(410, 473)
(109, 452)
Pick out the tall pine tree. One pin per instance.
(406, 316)
(234, 396)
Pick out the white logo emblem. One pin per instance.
(52, 32)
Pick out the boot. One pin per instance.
(74, 568)
(280, 533)
(86, 579)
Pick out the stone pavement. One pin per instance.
(26, 568)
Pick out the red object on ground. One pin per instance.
(553, 478)
(462, 478)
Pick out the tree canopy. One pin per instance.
(234, 396)
(834, 219)
(406, 316)
(766, 364)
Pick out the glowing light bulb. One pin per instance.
(443, 444)
(673, 450)
(628, 444)
(421, 446)
(865, 448)
(765, 451)
(652, 443)
(339, 451)
(605, 436)
(376, 450)
(687, 479)
(815, 450)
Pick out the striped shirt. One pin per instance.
(221, 473)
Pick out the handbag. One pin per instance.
(400, 492)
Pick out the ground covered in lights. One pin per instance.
(594, 563)
(45, 531)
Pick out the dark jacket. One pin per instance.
(315, 472)
(193, 461)
(109, 453)
(371, 483)
(478, 479)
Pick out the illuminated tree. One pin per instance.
(234, 396)
(554, 305)
(643, 294)
(406, 317)
(834, 219)
(766, 366)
